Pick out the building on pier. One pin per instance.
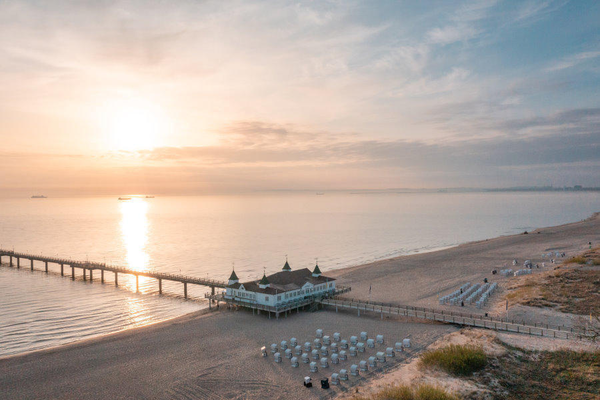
(282, 288)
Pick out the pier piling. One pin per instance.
(72, 273)
(62, 270)
(84, 275)
(137, 283)
(116, 278)
(46, 266)
(185, 290)
(91, 275)
(31, 264)
(159, 286)
(101, 276)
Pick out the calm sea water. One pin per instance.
(206, 235)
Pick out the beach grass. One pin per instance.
(403, 392)
(459, 360)
(558, 375)
(591, 256)
(571, 289)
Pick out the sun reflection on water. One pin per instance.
(134, 233)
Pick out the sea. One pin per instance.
(210, 235)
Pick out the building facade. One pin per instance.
(282, 288)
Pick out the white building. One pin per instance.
(282, 288)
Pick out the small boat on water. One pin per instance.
(124, 198)
(149, 197)
(38, 196)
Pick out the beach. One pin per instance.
(419, 279)
(217, 355)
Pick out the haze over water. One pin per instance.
(202, 236)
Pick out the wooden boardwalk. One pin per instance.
(88, 268)
(477, 321)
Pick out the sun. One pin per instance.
(135, 124)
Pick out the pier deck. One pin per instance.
(88, 267)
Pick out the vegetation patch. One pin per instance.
(559, 375)
(569, 288)
(590, 257)
(572, 290)
(421, 392)
(459, 360)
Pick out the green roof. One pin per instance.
(287, 267)
(264, 280)
(317, 271)
(233, 276)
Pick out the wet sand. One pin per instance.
(217, 355)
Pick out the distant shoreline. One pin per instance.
(326, 192)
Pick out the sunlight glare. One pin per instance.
(134, 231)
(135, 125)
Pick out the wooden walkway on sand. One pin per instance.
(88, 267)
(474, 320)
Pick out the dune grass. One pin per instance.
(558, 375)
(459, 360)
(591, 256)
(421, 392)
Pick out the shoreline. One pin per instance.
(337, 273)
(439, 272)
(595, 215)
(108, 337)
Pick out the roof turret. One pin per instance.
(264, 282)
(317, 271)
(233, 278)
(286, 266)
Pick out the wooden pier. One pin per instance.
(88, 268)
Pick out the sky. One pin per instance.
(199, 97)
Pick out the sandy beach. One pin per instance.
(217, 355)
(420, 279)
(207, 357)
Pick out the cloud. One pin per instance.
(346, 93)
(323, 149)
(535, 9)
(573, 60)
(289, 157)
(451, 34)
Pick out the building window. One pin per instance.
(267, 299)
(278, 298)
